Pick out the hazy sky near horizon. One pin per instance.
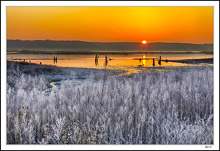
(112, 24)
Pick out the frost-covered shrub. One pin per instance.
(157, 107)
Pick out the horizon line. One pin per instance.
(106, 41)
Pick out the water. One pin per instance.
(128, 62)
(125, 64)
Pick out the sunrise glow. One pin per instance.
(111, 24)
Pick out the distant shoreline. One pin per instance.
(51, 40)
(74, 47)
(107, 52)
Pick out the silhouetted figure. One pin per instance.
(153, 62)
(106, 60)
(96, 60)
(159, 62)
(40, 62)
(24, 60)
(54, 59)
(166, 60)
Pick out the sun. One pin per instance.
(144, 42)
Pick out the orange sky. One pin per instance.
(112, 24)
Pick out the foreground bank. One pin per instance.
(157, 107)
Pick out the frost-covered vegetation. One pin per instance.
(156, 107)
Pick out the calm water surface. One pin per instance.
(128, 62)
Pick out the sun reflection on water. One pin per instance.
(129, 63)
(144, 60)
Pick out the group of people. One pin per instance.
(106, 60)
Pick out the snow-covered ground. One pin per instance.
(91, 106)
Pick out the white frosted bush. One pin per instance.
(156, 107)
